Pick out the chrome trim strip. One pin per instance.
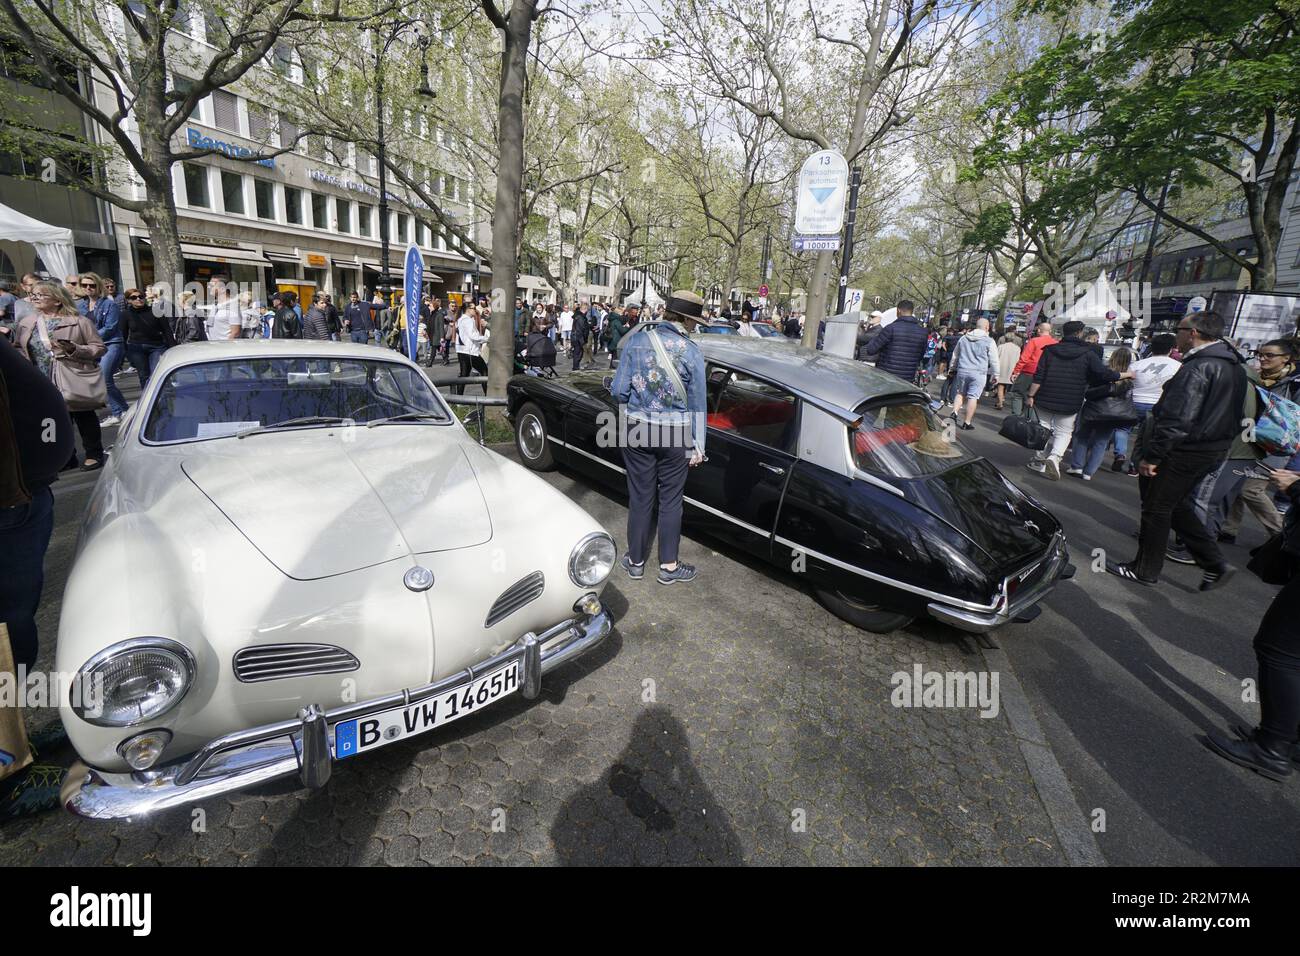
(726, 517)
(586, 454)
(901, 585)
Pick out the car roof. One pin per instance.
(235, 349)
(830, 379)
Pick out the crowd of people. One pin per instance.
(1208, 431)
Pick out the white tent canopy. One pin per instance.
(1092, 307)
(53, 243)
(653, 298)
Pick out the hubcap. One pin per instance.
(531, 437)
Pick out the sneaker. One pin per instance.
(1119, 464)
(634, 571)
(110, 421)
(966, 426)
(1037, 467)
(1077, 472)
(1126, 571)
(34, 791)
(1052, 469)
(1179, 555)
(683, 572)
(1217, 578)
(1085, 477)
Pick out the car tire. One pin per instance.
(869, 617)
(531, 438)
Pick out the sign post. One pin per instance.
(413, 288)
(819, 202)
(848, 236)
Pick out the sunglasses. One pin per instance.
(1271, 354)
(130, 297)
(88, 285)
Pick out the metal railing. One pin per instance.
(477, 400)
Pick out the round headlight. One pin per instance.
(592, 560)
(134, 681)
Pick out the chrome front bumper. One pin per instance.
(1021, 606)
(303, 745)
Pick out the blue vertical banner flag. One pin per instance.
(412, 299)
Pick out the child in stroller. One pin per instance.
(535, 355)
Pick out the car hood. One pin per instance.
(978, 501)
(321, 502)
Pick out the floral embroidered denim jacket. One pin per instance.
(648, 392)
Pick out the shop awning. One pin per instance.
(223, 254)
(283, 257)
(346, 264)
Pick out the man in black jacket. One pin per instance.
(581, 331)
(901, 344)
(315, 324)
(357, 321)
(435, 324)
(1189, 433)
(1065, 372)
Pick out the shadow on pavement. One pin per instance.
(651, 806)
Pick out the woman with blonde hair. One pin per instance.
(64, 345)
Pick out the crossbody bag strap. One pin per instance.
(669, 368)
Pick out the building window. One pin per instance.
(597, 275)
(282, 59)
(264, 191)
(183, 85)
(232, 192)
(343, 213)
(363, 218)
(293, 205)
(259, 124)
(288, 132)
(214, 29)
(319, 211)
(196, 186)
(225, 111)
(401, 227)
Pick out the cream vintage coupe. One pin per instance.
(297, 555)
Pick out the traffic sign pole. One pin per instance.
(849, 223)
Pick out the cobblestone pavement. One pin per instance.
(730, 721)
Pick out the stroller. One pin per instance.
(536, 355)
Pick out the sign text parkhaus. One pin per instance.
(819, 203)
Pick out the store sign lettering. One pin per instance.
(320, 176)
(233, 150)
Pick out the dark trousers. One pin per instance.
(469, 365)
(1277, 648)
(24, 537)
(1167, 502)
(579, 345)
(145, 359)
(1019, 392)
(92, 436)
(655, 475)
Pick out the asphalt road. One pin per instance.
(1125, 679)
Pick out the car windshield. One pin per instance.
(717, 330)
(904, 439)
(221, 399)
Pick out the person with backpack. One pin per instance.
(1244, 481)
(1188, 436)
(1064, 374)
(1106, 410)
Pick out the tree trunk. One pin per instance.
(817, 297)
(510, 176)
(159, 213)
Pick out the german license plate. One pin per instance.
(362, 734)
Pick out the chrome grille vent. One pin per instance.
(277, 661)
(516, 596)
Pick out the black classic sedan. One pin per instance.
(837, 473)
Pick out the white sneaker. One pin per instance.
(1075, 471)
(1086, 477)
(1036, 466)
(1052, 469)
(109, 421)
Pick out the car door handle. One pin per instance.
(774, 469)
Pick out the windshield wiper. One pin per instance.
(291, 422)
(406, 417)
